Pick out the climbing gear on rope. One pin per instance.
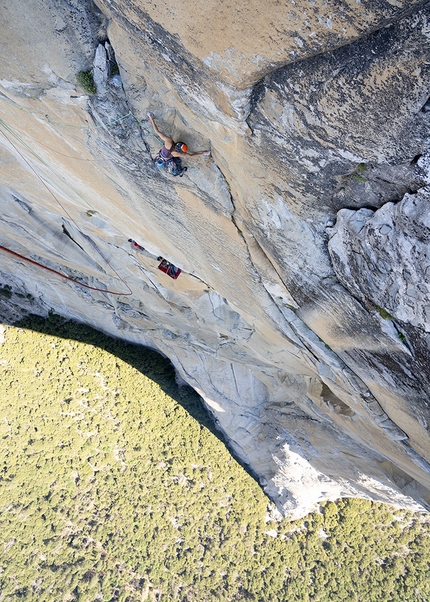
(168, 268)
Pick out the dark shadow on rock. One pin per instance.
(149, 362)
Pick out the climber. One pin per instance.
(170, 155)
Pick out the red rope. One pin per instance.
(71, 219)
(40, 265)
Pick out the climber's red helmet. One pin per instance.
(181, 147)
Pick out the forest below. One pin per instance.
(115, 485)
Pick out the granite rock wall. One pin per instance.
(309, 218)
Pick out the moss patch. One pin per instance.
(6, 291)
(359, 178)
(86, 81)
(383, 313)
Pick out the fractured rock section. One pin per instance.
(383, 256)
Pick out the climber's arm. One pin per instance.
(188, 154)
(166, 139)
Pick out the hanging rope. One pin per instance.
(47, 120)
(72, 220)
(88, 126)
(40, 265)
(11, 131)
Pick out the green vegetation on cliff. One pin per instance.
(111, 490)
(86, 81)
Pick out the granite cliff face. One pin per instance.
(302, 311)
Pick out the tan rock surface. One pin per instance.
(240, 43)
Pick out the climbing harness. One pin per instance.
(172, 164)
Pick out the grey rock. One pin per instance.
(116, 81)
(387, 259)
(101, 69)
